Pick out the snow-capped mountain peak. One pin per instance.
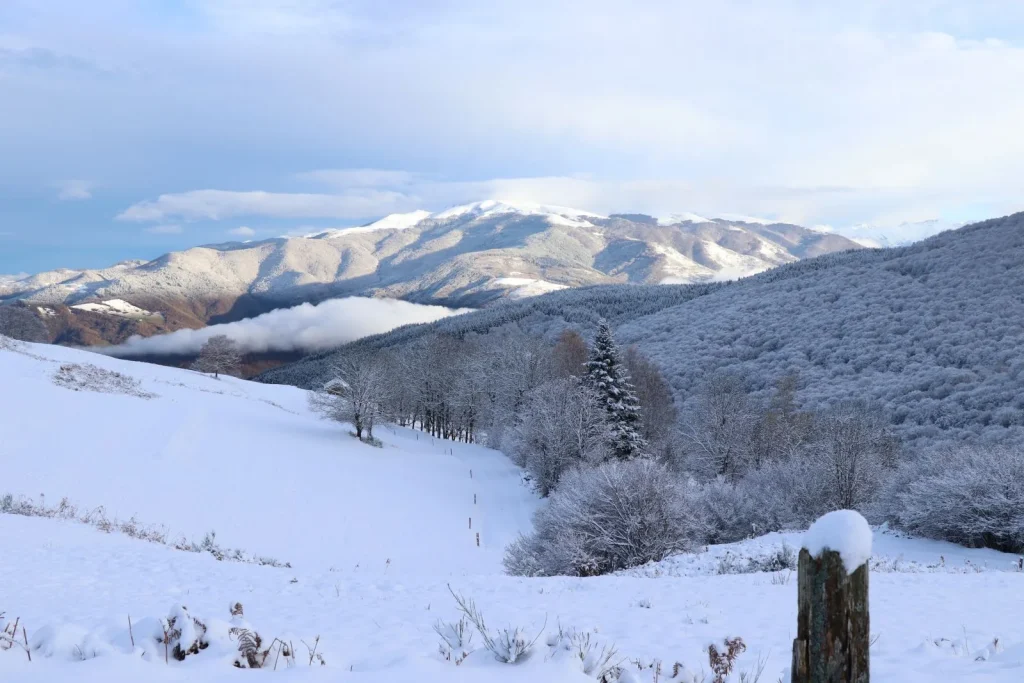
(493, 207)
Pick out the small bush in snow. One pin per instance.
(456, 639)
(9, 636)
(183, 634)
(722, 663)
(508, 645)
(595, 660)
(618, 515)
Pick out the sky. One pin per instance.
(129, 128)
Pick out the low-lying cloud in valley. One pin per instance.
(305, 327)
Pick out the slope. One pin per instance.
(250, 462)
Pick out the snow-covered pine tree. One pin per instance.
(608, 377)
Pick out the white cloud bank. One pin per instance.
(305, 327)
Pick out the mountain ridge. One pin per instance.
(468, 255)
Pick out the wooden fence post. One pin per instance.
(833, 634)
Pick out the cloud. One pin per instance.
(359, 177)
(306, 327)
(905, 103)
(810, 205)
(166, 229)
(243, 231)
(42, 58)
(224, 204)
(75, 190)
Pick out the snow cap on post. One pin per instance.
(843, 531)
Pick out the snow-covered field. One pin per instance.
(375, 537)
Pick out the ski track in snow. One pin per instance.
(249, 461)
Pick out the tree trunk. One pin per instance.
(833, 632)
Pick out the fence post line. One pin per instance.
(833, 625)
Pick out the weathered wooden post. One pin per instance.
(833, 634)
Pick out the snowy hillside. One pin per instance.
(464, 256)
(249, 462)
(375, 537)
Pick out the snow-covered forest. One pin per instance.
(930, 332)
(872, 380)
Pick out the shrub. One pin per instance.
(970, 495)
(618, 515)
(456, 639)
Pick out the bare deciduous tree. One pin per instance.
(657, 410)
(854, 445)
(569, 357)
(782, 430)
(717, 434)
(219, 356)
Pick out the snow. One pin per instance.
(740, 218)
(892, 552)
(492, 207)
(674, 218)
(395, 221)
(250, 462)
(524, 286)
(117, 307)
(892, 234)
(843, 531)
(376, 536)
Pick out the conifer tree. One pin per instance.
(609, 379)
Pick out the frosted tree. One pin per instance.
(219, 356)
(717, 433)
(355, 394)
(562, 425)
(609, 379)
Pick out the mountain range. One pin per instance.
(470, 255)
